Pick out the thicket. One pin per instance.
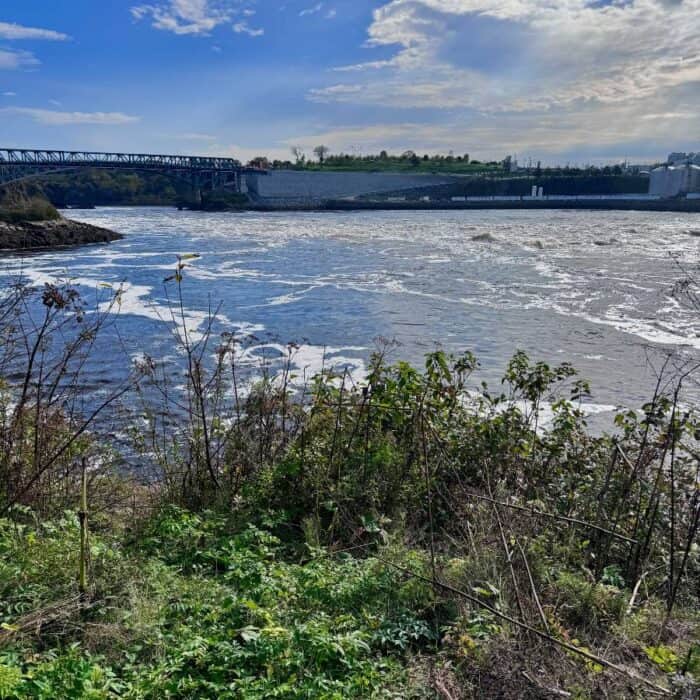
(420, 534)
(406, 162)
(109, 188)
(25, 204)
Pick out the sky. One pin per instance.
(561, 81)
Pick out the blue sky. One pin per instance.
(571, 80)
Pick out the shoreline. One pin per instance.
(59, 233)
(690, 206)
(670, 205)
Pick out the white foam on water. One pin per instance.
(306, 361)
(291, 297)
(138, 300)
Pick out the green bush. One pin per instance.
(191, 610)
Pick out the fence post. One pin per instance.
(83, 517)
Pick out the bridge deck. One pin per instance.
(143, 161)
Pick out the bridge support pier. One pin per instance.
(252, 185)
(196, 187)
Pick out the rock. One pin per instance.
(27, 235)
(612, 241)
(484, 238)
(536, 244)
(694, 232)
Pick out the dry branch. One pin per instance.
(553, 516)
(543, 635)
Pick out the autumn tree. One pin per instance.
(321, 152)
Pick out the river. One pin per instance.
(591, 288)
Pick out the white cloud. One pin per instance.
(48, 117)
(368, 65)
(244, 28)
(311, 10)
(195, 136)
(14, 60)
(343, 92)
(670, 115)
(331, 14)
(9, 93)
(197, 17)
(17, 31)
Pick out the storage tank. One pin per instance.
(658, 179)
(674, 180)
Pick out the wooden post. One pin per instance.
(83, 517)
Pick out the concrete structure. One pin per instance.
(674, 180)
(289, 187)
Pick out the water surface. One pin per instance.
(592, 288)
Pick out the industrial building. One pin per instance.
(684, 159)
(675, 180)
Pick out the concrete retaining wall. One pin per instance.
(298, 186)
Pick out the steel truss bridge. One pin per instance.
(201, 173)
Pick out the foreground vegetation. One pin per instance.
(419, 535)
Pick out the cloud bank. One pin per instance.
(629, 68)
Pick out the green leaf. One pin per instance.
(664, 657)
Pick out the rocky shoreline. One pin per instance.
(28, 235)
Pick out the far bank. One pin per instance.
(599, 204)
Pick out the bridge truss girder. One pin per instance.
(202, 174)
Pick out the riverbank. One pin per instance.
(27, 235)
(612, 204)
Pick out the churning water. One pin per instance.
(591, 288)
